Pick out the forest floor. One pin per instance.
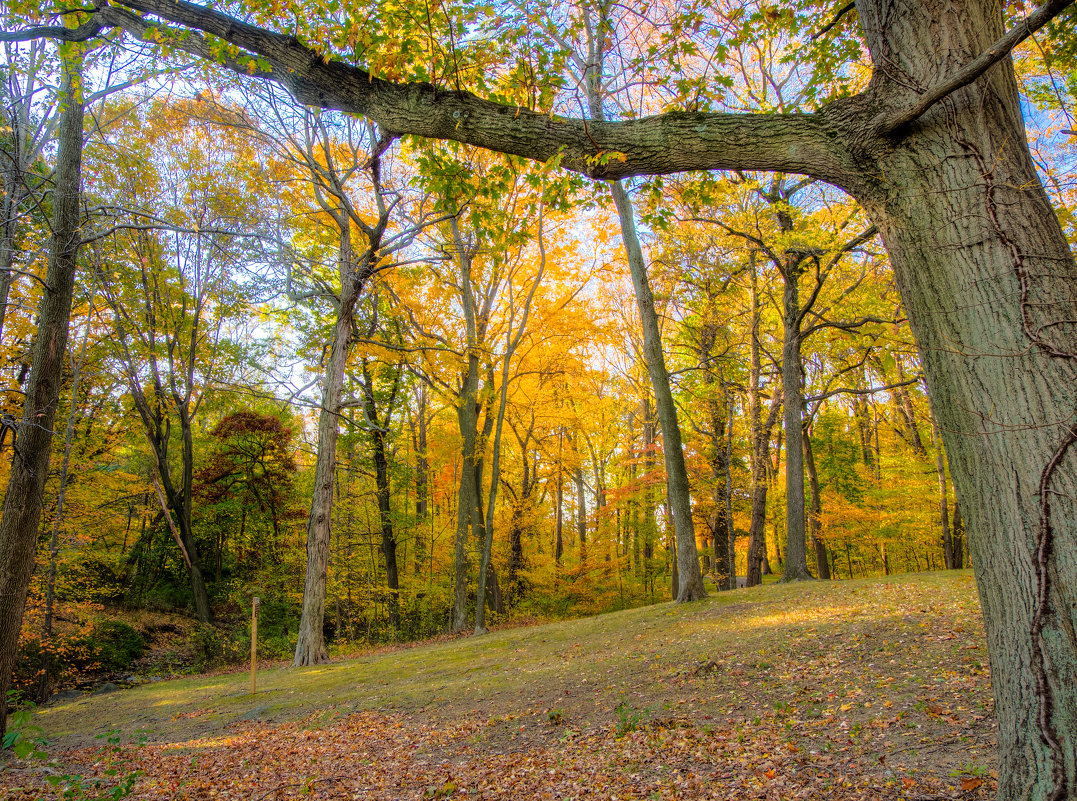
(867, 689)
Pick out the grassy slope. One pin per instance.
(889, 673)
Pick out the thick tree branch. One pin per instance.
(662, 144)
(978, 66)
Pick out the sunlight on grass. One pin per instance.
(805, 615)
(546, 664)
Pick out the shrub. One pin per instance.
(115, 645)
(213, 647)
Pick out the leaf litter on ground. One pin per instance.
(838, 690)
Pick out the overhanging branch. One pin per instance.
(656, 145)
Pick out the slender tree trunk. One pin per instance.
(26, 483)
(944, 504)
(760, 436)
(422, 471)
(310, 646)
(388, 536)
(731, 532)
(815, 512)
(908, 414)
(958, 537)
(796, 557)
(559, 521)
(649, 524)
(467, 419)
(9, 223)
(691, 578)
(581, 512)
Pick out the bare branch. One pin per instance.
(868, 391)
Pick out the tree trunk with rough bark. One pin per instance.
(26, 483)
(310, 646)
(796, 555)
(815, 511)
(990, 288)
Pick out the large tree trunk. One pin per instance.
(26, 484)
(990, 287)
(796, 556)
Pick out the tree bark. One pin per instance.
(796, 557)
(690, 576)
(310, 645)
(991, 291)
(26, 483)
(815, 511)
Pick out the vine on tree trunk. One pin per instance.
(1045, 533)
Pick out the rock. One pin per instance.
(107, 687)
(66, 695)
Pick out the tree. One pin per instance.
(340, 161)
(598, 33)
(999, 360)
(22, 502)
(171, 279)
(253, 467)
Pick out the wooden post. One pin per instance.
(254, 642)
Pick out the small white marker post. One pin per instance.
(254, 642)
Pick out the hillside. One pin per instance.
(862, 689)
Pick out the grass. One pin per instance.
(873, 688)
(889, 672)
